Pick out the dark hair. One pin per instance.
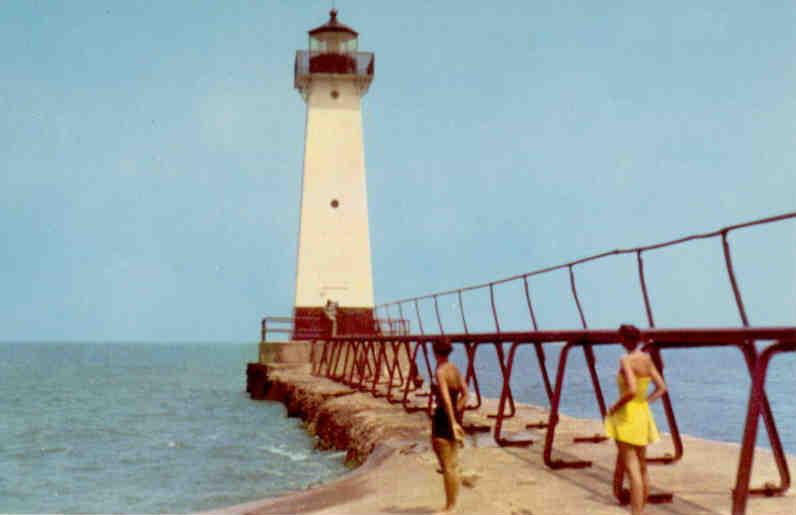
(442, 347)
(629, 332)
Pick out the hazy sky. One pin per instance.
(151, 154)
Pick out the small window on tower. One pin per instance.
(335, 94)
(334, 203)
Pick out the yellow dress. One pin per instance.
(633, 423)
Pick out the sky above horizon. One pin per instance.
(151, 154)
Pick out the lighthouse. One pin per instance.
(334, 286)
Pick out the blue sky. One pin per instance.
(151, 153)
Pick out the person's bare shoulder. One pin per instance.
(453, 376)
(445, 372)
(643, 363)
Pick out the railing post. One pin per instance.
(498, 343)
(389, 318)
(552, 420)
(528, 302)
(471, 377)
(439, 320)
(403, 319)
(752, 361)
(540, 355)
(494, 309)
(461, 311)
(740, 493)
(505, 394)
(768, 415)
(733, 282)
(668, 409)
(588, 352)
(644, 292)
(419, 318)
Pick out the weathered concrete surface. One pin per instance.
(284, 352)
(398, 476)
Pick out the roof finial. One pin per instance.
(333, 15)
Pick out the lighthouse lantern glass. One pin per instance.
(333, 42)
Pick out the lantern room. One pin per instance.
(333, 37)
(333, 50)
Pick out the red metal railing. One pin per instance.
(275, 325)
(286, 326)
(723, 233)
(392, 327)
(382, 364)
(570, 267)
(756, 409)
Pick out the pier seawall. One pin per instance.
(339, 417)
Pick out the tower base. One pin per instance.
(311, 323)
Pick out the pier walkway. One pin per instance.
(399, 475)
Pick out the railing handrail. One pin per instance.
(278, 319)
(668, 335)
(394, 326)
(265, 329)
(615, 252)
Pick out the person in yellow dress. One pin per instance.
(630, 422)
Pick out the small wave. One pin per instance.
(291, 455)
(335, 454)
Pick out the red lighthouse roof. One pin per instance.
(333, 26)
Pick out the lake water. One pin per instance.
(143, 428)
(163, 428)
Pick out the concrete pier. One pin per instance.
(397, 475)
(278, 355)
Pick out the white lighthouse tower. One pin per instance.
(334, 286)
